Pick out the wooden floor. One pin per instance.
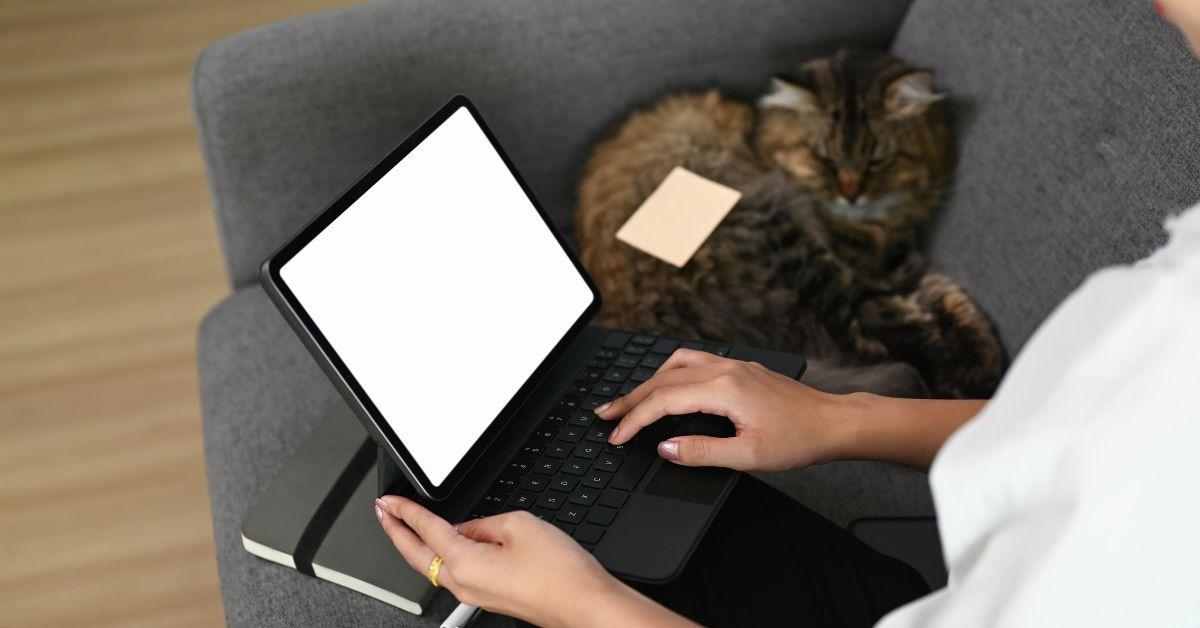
(108, 259)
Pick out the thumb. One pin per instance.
(706, 451)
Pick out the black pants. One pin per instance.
(769, 561)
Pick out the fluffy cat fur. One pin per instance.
(839, 167)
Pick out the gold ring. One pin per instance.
(435, 566)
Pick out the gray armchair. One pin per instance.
(1075, 121)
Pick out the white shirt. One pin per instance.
(1073, 498)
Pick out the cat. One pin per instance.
(839, 167)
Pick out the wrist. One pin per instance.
(848, 425)
(615, 603)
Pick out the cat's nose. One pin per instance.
(849, 183)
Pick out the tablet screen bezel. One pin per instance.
(333, 365)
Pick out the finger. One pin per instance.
(709, 396)
(434, 531)
(707, 451)
(684, 375)
(497, 529)
(416, 553)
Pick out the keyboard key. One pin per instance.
(565, 527)
(633, 469)
(572, 515)
(595, 480)
(608, 462)
(641, 375)
(542, 436)
(563, 483)
(506, 483)
(588, 533)
(599, 433)
(576, 466)
(582, 419)
(534, 484)
(627, 361)
(588, 450)
(522, 500)
(715, 350)
(555, 420)
(617, 450)
(551, 500)
(635, 350)
(694, 346)
(616, 340)
(598, 364)
(601, 516)
(627, 388)
(568, 404)
(584, 497)
(606, 389)
(644, 340)
(494, 500)
(606, 354)
(654, 361)
(558, 450)
(545, 514)
(518, 467)
(546, 467)
(571, 434)
(616, 375)
(480, 514)
(579, 388)
(613, 499)
(531, 451)
(665, 346)
(591, 403)
(591, 375)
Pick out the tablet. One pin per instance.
(435, 293)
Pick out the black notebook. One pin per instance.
(317, 516)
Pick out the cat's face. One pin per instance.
(862, 131)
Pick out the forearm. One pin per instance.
(905, 431)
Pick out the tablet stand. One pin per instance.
(390, 478)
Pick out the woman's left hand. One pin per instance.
(515, 564)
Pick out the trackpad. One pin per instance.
(700, 485)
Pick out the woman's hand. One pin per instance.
(518, 565)
(779, 422)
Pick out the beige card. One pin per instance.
(678, 216)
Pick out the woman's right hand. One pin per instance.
(779, 423)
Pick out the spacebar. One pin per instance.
(632, 470)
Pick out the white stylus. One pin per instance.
(462, 616)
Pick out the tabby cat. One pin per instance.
(839, 167)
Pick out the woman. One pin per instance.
(1055, 499)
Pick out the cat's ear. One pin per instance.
(910, 95)
(787, 95)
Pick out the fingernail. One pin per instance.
(379, 509)
(602, 407)
(669, 449)
(612, 438)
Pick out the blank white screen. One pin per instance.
(442, 289)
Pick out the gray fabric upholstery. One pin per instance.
(1077, 128)
(1075, 119)
(292, 113)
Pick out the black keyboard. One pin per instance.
(568, 473)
